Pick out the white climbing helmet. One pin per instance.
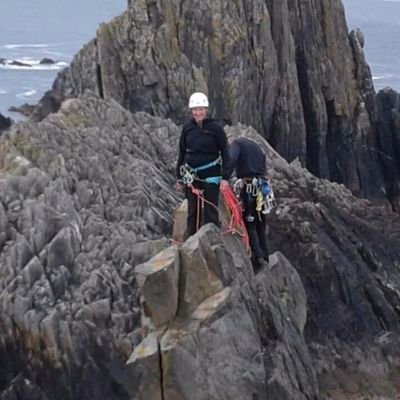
(198, 99)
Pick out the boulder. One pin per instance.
(143, 371)
(25, 109)
(46, 61)
(19, 64)
(5, 123)
(199, 279)
(158, 281)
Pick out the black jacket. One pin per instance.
(247, 158)
(200, 145)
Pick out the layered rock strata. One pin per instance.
(86, 195)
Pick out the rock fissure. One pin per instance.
(100, 81)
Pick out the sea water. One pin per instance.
(33, 30)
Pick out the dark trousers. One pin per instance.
(211, 195)
(255, 222)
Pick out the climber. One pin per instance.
(249, 161)
(202, 163)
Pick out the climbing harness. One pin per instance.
(189, 174)
(209, 165)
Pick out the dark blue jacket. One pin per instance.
(247, 158)
(199, 145)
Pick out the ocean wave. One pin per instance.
(28, 93)
(381, 77)
(57, 54)
(372, 64)
(19, 46)
(30, 64)
(2, 91)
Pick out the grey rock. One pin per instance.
(71, 235)
(195, 361)
(180, 222)
(5, 123)
(25, 109)
(158, 281)
(46, 60)
(389, 126)
(237, 342)
(199, 279)
(284, 312)
(346, 251)
(19, 64)
(143, 376)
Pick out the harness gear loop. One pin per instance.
(189, 174)
(260, 188)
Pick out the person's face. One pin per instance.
(199, 113)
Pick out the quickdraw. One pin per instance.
(261, 189)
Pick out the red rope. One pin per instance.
(236, 216)
(235, 208)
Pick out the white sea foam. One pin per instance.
(28, 93)
(19, 46)
(32, 65)
(2, 91)
(381, 77)
(372, 64)
(57, 54)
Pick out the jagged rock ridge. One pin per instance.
(86, 195)
(76, 213)
(229, 334)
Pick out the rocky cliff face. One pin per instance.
(86, 196)
(389, 140)
(5, 123)
(288, 68)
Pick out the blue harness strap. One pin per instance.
(208, 165)
(188, 173)
(213, 179)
